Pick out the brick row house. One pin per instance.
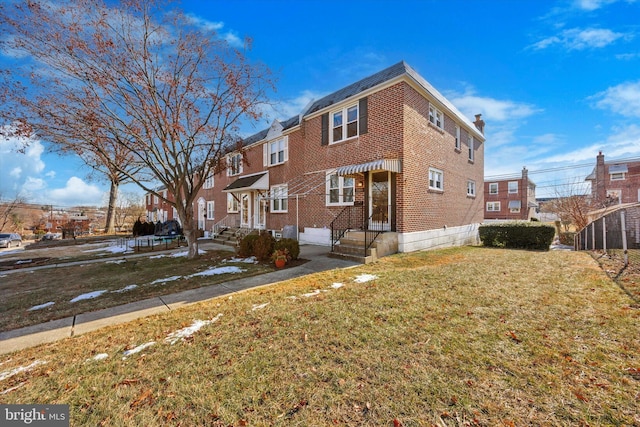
(388, 153)
(510, 199)
(614, 182)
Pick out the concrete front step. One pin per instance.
(350, 257)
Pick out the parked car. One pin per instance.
(10, 239)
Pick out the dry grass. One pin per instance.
(23, 290)
(467, 336)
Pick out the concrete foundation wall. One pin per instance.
(440, 238)
(315, 236)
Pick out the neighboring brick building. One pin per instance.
(389, 144)
(614, 182)
(510, 199)
(158, 209)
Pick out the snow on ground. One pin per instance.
(185, 253)
(311, 294)
(166, 279)
(217, 270)
(88, 295)
(337, 285)
(183, 333)
(98, 357)
(125, 289)
(120, 261)
(24, 261)
(259, 306)
(138, 349)
(365, 278)
(157, 256)
(41, 306)
(250, 260)
(19, 369)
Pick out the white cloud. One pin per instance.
(581, 39)
(590, 5)
(492, 109)
(204, 24)
(19, 164)
(76, 192)
(622, 99)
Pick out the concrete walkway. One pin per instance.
(30, 336)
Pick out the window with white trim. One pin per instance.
(210, 210)
(436, 179)
(234, 164)
(344, 124)
(614, 196)
(208, 183)
(458, 145)
(513, 187)
(276, 152)
(436, 117)
(279, 197)
(514, 206)
(471, 188)
(340, 190)
(493, 206)
(617, 176)
(156, 200)
(232, 204)
(471, 147)
(493, 188)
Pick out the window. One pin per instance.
(614, 196)
(471, 147)
(458, 146)
(493, 188)
(617, 176)
(436, 118)
(513, 187)
(493, 206)
(279, 196)
(471, 188)
(148, 199)
(276, 152)
(210, 211)
(340, 190)
(208, 183)
(234, 164)
(232, 204)
(344, 124)
(155, 200)
(514, 206)
(436, 179)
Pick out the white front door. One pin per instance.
(245, 210)
(201, 213)
(261, 212)
(380, 201)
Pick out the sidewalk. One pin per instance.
(31, 336)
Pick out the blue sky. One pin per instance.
(555, 81)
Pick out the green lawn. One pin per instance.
(464, 336)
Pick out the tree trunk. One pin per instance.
(190, 231)
(109, 227)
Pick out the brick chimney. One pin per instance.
(479, 123)
(601, 182)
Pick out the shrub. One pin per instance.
(290, 245)
(263, 246)
(518, 235)
(567, 238)
(245, 249)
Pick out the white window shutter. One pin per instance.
(265, 154)
(286, 148)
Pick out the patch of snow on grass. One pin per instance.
(183, 333)
(126, 288)
(185, 253)
(120, 261)
(157, 256)
(365, 278)
(24, 261)
(217, 270)
(337, 285)
(19, 369)
(166, 279)
(98, 357)
(114, 249)
(41, 306)
(311, 294)
(138, 349)
(250, 260)
(88, 295)
(259, 306)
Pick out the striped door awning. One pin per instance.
(392, 165)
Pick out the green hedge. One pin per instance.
(291, 245)
(517, 235)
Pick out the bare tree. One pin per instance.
(136, 76)
(571, 205)
(129, 208)
(9, 215)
